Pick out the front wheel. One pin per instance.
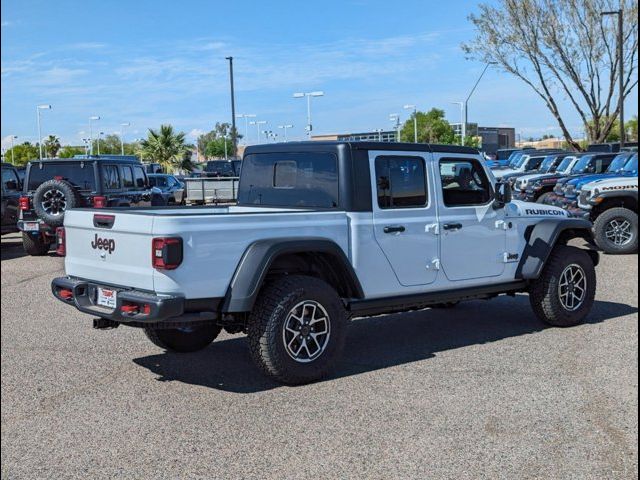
(616, 231)
(297, 329)
(184, 339)
(564, 293)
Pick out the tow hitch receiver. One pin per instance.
(104, 324)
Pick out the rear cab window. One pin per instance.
(10, 181)
(127, 177)
(139, 177)
(401, 182)
(305, 180)
(110, 177)
(79, 174)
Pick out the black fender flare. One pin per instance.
(260, 255)
(543, 239)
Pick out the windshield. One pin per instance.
(513, 163)
(618, 163)
(158, 181)
(522, 160)
(549, 164)
(582, 164)
(564, 165)
(632, 164)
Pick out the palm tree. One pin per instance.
(51, 146)
(164, 146)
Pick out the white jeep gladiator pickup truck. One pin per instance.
(324, 231)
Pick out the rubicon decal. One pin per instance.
(108, 244)
(537, 211)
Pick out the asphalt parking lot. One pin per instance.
(481, 391)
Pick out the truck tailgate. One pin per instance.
(119, 254)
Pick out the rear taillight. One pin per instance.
(99, 202)
(166, 253)
(25, 203)
(61, 243)
(65, 293)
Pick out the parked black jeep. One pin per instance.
(52, 186)
(11, 186)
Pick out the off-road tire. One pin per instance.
(35, 245)
(543, 197)
(600, 227)
(181, 340)
(71, 198)
(266, 326)
(544, 292)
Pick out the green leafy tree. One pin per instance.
(216, 148)
(632, 129)
(562, 49)
(432, 128)
(69, 151)
(22, 154)
(164, 146)
(185, 163)
(51, 146)
(220, 130)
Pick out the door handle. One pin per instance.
(394, 229)
(452, 226)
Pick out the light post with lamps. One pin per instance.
(91, 120)
(246, 117)
(462, 126)
(285, 128)
(466, 102)
(38, 108)
(257, 123)
(395, 118)
(308, 95)
(415, 121)
(12, 138)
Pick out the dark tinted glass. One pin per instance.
(138, 173)
(464, 182)
(127, 177)
(10, 180)
(110, 177)
(401, 182)
(221, 168)
(290, 179)
(78, 174)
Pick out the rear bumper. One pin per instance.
(41, 227)
(160, 307)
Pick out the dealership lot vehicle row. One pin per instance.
(481, 391)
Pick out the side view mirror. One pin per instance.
(503, 194)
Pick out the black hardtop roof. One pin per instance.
(7, 164)
(339, 145)
(89, 158)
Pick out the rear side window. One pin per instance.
(110, 177)
(401, 182)
(139, 177)
(464, 182)
(10, 180)
(79, 174)
(127, 177)
(290, 180)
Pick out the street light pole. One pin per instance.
(462, 126)
(234, 137)
(395, 118)
(91, 119)
(619, 13)
(12, 160)
(285, 127)
(308, 95)
(466, 102)
(415, 121)
(38, 108)
(257, 123)
(123, 125)
(99, 138)
(246, 117)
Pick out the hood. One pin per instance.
(521, 209)
(614, 183)
(500, 173)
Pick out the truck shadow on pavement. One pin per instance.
(373, 343)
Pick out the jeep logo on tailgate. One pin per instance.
(108, 244)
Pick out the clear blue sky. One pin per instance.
(152, 62)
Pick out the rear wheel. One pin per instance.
(184, 339)
(35, 245)
(297, 329)
(564, 293)
(616, 231)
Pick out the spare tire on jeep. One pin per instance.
(52, 198)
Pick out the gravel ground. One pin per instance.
(481, 391)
